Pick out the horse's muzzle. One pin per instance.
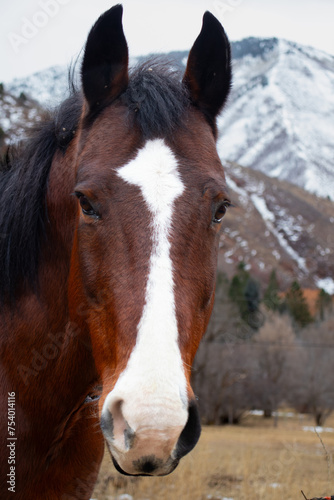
(154, 445)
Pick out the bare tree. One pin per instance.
(275, 353)
(237, 369)
(220, 381)
(313, 390)
(225, 323)
(220, 370)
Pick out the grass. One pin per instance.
(253, 461)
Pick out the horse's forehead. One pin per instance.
(155, 171)
(196, 144)
(192, 147)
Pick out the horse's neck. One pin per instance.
(43, 346)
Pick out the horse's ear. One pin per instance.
(105, 63)
(208, 73)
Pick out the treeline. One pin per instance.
(262, 351)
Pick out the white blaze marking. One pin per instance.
(154, 377)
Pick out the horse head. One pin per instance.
(151, 196)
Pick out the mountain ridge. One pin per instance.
(278, 118)
(277, 225)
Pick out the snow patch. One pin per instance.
(276, 254)
(269, 219)
(261, 207)
(317, 429)
(241, 192)
(215, 497)
(327, 284)
(257, 413)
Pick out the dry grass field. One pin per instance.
(253, 461)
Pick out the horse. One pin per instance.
(110, 219)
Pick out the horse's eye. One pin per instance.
(85, 205)
(220, 211)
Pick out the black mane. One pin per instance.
(157, 97)
(156, 100)
(23, 182)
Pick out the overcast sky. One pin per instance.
(35, 34)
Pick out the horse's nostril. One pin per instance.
(191, 432)
(148, 467)
(115, 427)
(107, 425)
(129, 436)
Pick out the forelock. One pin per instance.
(156, 97)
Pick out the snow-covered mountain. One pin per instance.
(277, 225)
(280, 117)
(16, 111)
(49, 86)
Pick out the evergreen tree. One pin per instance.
(245, 292)
(238, 285)
(252, 295)
(324, 302)
(271, 298)
(225, 321)
(235, 290)
(252, 302)
(22, 97)
(297, 305)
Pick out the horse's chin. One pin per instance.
(119, 469)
